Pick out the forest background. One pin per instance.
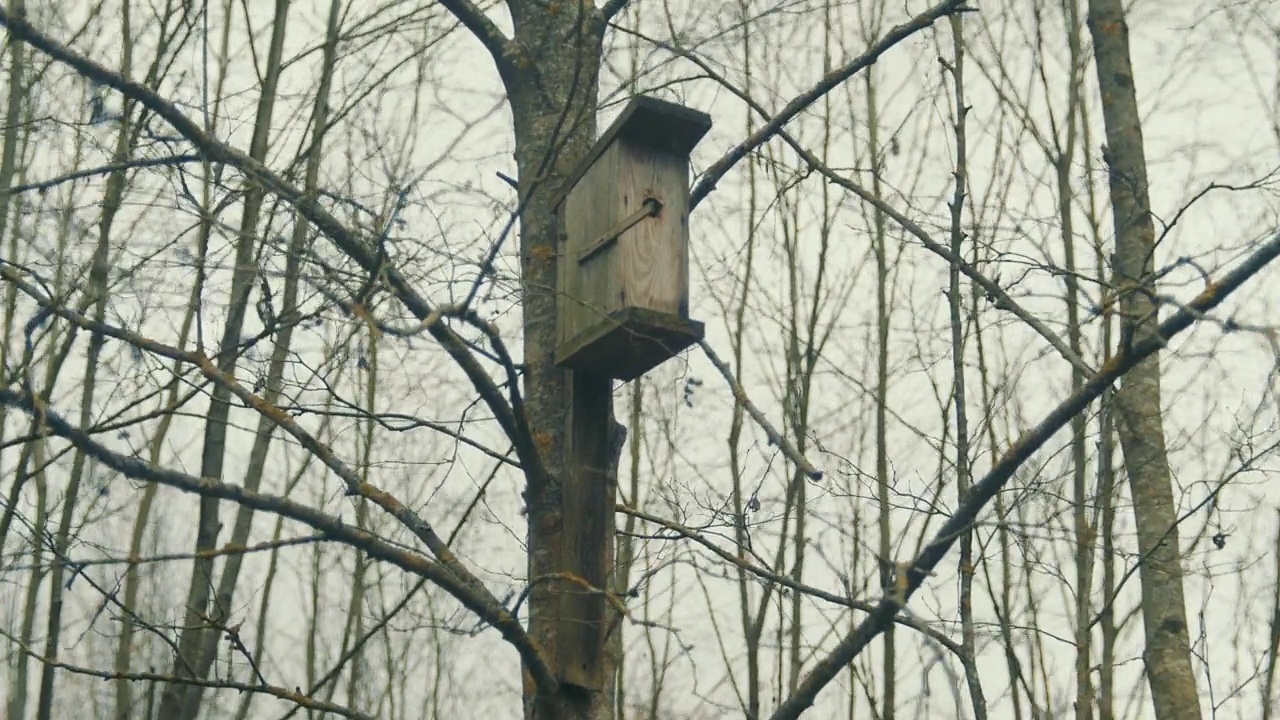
(277, 417)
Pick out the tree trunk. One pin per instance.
(1137, 401)
(552, 78)
(182, 701)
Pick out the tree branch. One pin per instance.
(364, 254)
(294, 696)
(1031, 441)
(774, 437)
(612, 8)
(355, 486)
(102, 170)
(474, 19)
(226, 550)
(999, 297)
(479, 603)
(786, 581)
(828, 83)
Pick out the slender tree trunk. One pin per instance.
(968, 630)
(1268, 682)
(1085, 532)
(1106, 482)
(281, 345)
(99, 280)
(132, 580)
(18, 683)
(881, 239)
(1001, 598)
(181, 701)
(1137, 400)
(749, 694)
(15, 101)
(16, 107)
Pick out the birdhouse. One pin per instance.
(623, 273)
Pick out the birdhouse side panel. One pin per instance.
(652, 257)
(588, 289)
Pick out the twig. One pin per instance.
(1000, 298)
(101, 170)
(347, 241)
(787, 581)
(774, 437)
(224, 551)
(294, 696)
(1002, 471)
(355, 486)
(828, 83)
(484, 607)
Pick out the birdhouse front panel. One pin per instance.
(651, 259)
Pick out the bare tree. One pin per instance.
(1139, 419)
(337, 345)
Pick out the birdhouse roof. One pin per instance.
(658, 124)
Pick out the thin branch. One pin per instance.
(101, 170)
(999, 297)
(1002, 471)
(355, 486)
(358, 645)
(474, 19)
(828, 83)
(225, 551)
(384, 420)
(508, 416)
(294, 696)
(786, 581)
(109, 597)
(774, 437)
(484, 607)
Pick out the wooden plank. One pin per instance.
(589, 211)
(649, 208)
(651, 259)
(628, 343)
(588, 498)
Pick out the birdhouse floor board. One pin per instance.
(628, 343)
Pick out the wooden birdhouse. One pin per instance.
(623, 303)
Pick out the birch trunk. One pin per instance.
(1139, 422)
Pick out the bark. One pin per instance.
(1137, 400)
(551, 72)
